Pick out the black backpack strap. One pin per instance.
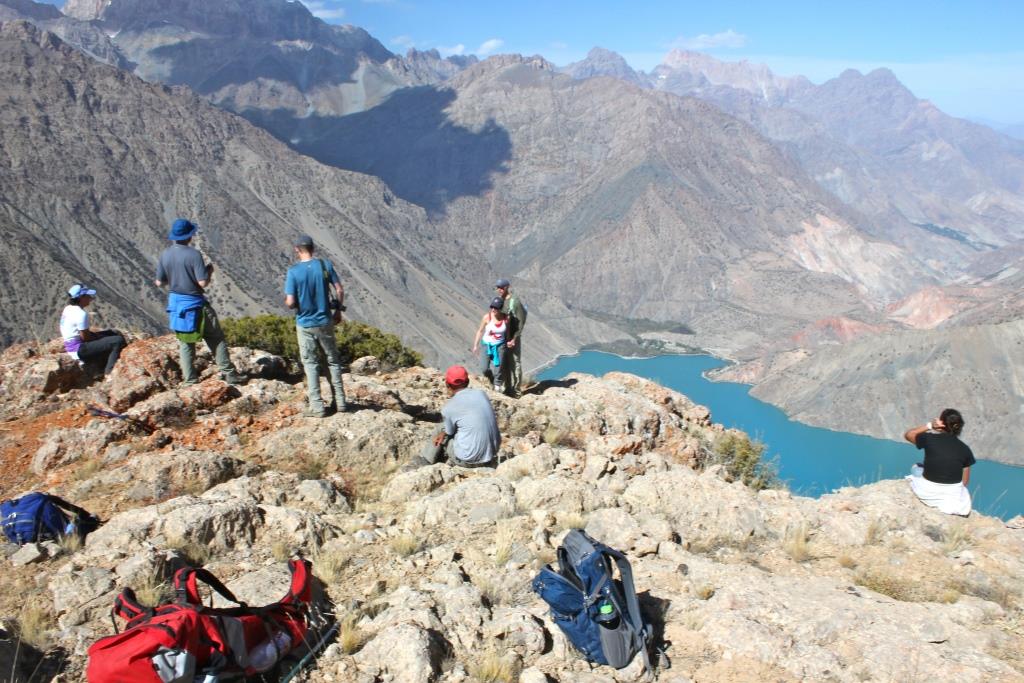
(128, 607)
(187, 590)
(633, 608)
(81, 515)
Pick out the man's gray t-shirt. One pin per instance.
(182, 267)
(469, 416)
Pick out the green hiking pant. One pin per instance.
(310, 339)
(213, 335)
(514, 372)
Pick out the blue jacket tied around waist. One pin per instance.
(183, 311)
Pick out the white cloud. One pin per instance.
(709, 41)
(328, 11)
(559, 45)
(459, 49)
(489, 46)
(403, 41)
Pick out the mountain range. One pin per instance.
(781, 223)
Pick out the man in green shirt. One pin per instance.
(516, 312)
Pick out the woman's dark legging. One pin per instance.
(107, 344)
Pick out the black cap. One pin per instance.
(304, 241)
(497, 302)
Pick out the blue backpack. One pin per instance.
(40, 516)
(598, 613)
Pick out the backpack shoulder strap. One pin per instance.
(127, 606)
(78, 512)
(186, 586)
(633, 608)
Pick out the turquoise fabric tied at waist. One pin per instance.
(494, 352)
(183, 311)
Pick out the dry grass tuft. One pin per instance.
(34, 626)
(694, 621)
(88, 469)
(504, 544)
(70, 543)
(197, 554)
(846, 561)
(281, 550)
(491, 591)
(704, 591)
(875, 531)
(903, 588)
(795, 543)
(351, 638)
(405, 545)
(957, 538)
(153, 590)
(490, 667)
(556, 436)
(571, 520)
(329, 566)
(987, 589)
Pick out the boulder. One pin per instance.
(407, 486)
(404, 653)
(476, 499)
(27, 554)
(366, 365)
(75, 588)
(557, 492)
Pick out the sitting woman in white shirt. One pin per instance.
(80, 341)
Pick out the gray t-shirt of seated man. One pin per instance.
(468, 416)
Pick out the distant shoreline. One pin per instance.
(622, 350)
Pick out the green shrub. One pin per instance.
(741, 457)
(276, 334)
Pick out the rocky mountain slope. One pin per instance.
(143, 154)
(881, 384)
(618, 200)
(265, 54)
(871, 142)
(429, 569)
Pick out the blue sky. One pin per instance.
(967, 57)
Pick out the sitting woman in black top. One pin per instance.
(941, 480)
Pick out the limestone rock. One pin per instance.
(367, 365)
(405, 653)
(27, 554)
(476, 499)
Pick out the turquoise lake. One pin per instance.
(811, 460)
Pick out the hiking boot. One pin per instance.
(312, 412)
(235, 379)
(334, 408)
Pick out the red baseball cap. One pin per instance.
(456, 376)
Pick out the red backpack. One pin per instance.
(182, 640)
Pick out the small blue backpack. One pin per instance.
(40, 516)
(598, 613)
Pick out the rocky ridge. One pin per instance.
(145, 154)
(429, 568)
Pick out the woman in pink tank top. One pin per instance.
(491, 336)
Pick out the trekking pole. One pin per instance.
(312, 652)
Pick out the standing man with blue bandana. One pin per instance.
(307, 289)
(191, 316)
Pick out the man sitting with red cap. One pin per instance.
(470, 437)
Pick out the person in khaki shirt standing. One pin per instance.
(516, 312)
